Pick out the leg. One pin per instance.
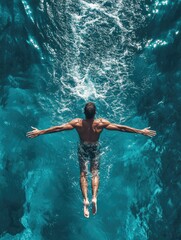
(83, 185)
(95, 185)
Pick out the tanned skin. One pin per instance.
(89, 131)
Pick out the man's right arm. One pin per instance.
(67, 126)
(116, 127)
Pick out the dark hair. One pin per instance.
(90, 110)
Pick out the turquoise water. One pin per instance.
(124, 56)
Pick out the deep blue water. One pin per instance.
(126, 57)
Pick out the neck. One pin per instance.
(89, 119)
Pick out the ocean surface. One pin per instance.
(125, 56)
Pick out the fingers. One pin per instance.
(151, 133)
(30, 134)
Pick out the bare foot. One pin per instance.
(86, 210)
(94, 206)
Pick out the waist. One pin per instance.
(89, 144)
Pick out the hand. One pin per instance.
(34, 133)
(147, 132)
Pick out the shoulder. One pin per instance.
(75, 122)
(102, 122)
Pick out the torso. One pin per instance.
(89, 130)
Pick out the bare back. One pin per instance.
(89, 130)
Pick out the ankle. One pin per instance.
(94, 198)
(86, 200)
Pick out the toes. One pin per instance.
(94, 207)
(86, 212)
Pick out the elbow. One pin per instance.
(58, 129)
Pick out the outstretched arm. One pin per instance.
(67, 126)
(112, 126)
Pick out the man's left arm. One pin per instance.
(67, 126)
(112, 126)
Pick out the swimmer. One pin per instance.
(89, 130)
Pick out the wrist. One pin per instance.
(40, 132)
(141, 132)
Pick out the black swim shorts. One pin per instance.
(89, 153)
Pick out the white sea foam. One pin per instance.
(28, 10)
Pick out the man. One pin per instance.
(89, 130)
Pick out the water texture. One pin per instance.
(126, 57)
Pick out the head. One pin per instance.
(90, 110)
